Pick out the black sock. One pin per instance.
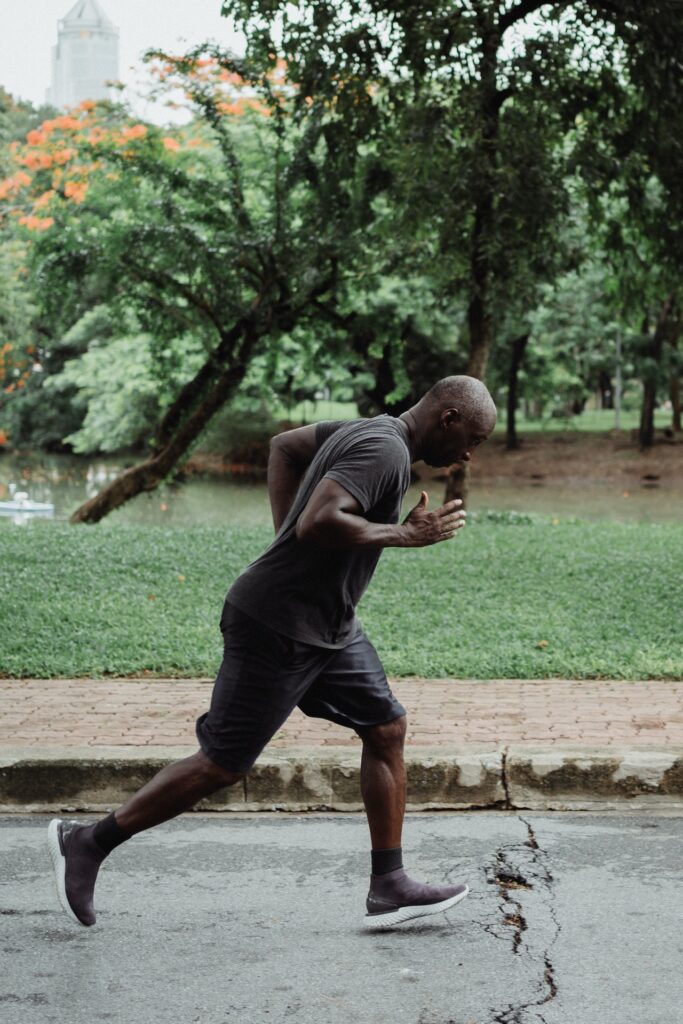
(384, 861)
(108, 834)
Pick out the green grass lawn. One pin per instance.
(520, 597)
(313, 412)
(594, 420)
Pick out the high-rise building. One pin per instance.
(86, 55)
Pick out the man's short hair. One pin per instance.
(467, 394)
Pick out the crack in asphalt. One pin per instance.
(518, 868)
(504, 779)
(510, 878)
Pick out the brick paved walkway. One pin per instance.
(441, 713)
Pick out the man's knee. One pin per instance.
(386, 738)
(215, 772)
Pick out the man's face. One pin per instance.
(454, 438)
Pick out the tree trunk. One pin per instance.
(480, 327)
(675, 391)
(147, 475)
(191, 392)
(646, 433)
(483, 230)
(374, 401)
(606, 392)
(457, 485)
(646, 430)
(518, 348)
(675, 379)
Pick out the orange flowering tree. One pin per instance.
(232, 228)
(17, 337)
(18, 330)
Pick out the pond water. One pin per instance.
(67, 482)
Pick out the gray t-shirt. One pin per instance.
(308, 592)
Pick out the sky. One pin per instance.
(28, 31)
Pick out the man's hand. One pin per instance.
(422, 527)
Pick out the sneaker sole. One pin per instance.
(375, 922)
(59, 864)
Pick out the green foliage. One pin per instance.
(111, 598)
(17, 304)
(239, 431)
(411, 145)
(472, 124)
(630, 162)
(117, 383)
(243, 232)
(573, 334)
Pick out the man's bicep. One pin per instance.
(328, 498)
(369, 471)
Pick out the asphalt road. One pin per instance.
(572, 919)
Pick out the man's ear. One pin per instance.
(451, 415)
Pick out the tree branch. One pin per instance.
(519, 12)
(162, 279)
(245, 327)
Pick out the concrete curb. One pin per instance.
(328, 778)
(582, 778)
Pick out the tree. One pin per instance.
(481, 95)
(631, 162)
(19, 326)
(634, 218)
(190, 235)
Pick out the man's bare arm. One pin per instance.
(333, 518)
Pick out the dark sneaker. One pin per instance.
(395, 898)
(76, 858)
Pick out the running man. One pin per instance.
(292, 639)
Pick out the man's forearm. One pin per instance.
(347, 530)
(284, 477)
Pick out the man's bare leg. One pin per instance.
(174, 789)
(383, 782)
(78, 850)
(393, 896)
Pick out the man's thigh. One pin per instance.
(352, 689)
(262, 678)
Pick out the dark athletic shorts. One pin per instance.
(264, 675)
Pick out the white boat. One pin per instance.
(20, 502)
